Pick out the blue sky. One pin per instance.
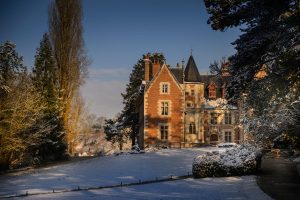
(116, 34)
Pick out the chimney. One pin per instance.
(147, 67)
(225, 69)
(155, 67)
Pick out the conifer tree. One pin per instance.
(20, 109)
(44, 73)
(269, 43)
(115, 131)
(49, 128)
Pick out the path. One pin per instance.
(279, 178)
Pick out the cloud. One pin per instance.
(102, 90)
(112, 73)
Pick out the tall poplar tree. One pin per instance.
(65, 30)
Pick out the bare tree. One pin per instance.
(65, 30)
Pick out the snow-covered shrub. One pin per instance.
(242, 160)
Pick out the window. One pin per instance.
(224, 90)
(164, 132)
(213, 118)
(165, 88)
(227, 136)
(228, 118)
(193, 92)
(189, 104)
(192, 128)
(164, 108)
(212, 93)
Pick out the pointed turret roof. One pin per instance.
(191, 73)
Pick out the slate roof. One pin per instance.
(219, 81)
(191, 73)
(178, 74)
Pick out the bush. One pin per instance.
(242, 160)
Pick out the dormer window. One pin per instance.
(212, 91)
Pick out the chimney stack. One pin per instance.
(155, 67)
(147, 67)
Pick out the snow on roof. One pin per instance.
(218, 103)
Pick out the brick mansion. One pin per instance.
(179, 107)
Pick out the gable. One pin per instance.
(212, 85)
(163, 75)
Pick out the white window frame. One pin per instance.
(215, 116)
(162, 108)
(160, 125)
(227, 118)
(227, 135)
(189, 104)
(164, 88)
(193, 92)
(192, 128)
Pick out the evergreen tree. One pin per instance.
(115, 131)
(269, 43)
(129, 114)
(44, 73)
(49, 128)
(20, 108)
(11, 65)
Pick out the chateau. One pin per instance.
(179, 107)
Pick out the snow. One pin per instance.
(241, 188)
(218, 103)
(297, 160)
(234, 161)
(227, 145)
(129, 168)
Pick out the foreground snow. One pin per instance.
(242, 188)
(129, 168)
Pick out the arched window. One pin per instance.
(192, 128)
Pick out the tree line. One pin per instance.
(269, 44)
(40, 107)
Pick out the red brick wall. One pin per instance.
(152, 106)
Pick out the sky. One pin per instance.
(117, 33)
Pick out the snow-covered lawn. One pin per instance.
(129, 168)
